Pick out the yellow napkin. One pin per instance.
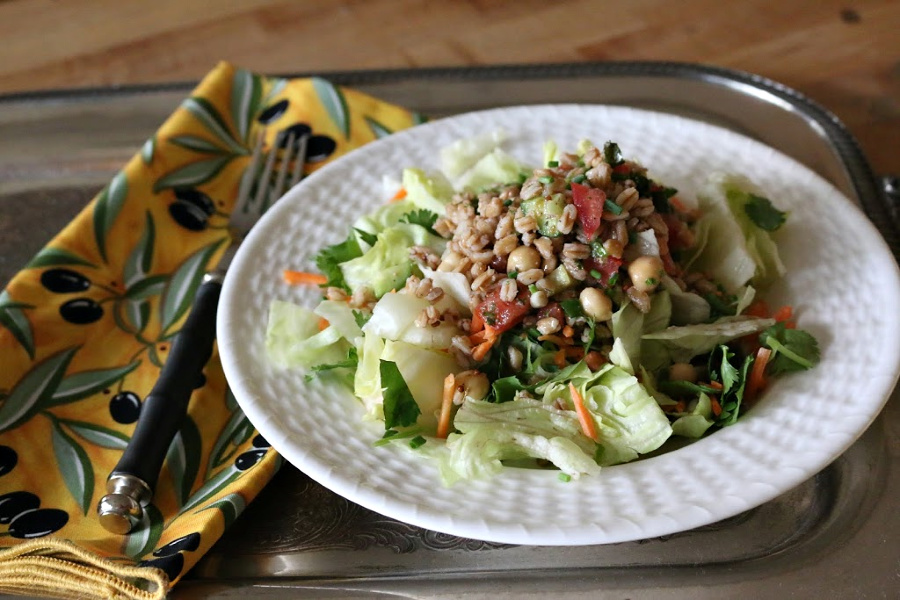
(85, 327)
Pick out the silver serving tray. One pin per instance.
(834, 536)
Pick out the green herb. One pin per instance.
(523, 177)
(423, 217)
(612, 207)
(731, 401)
(763, 213)
(417, 442)
(572, 308)
(651, 281)
(489, 316)
(392, 435)
(613, 279)
(660, 196)
(632, 237)
(369, 238)
(611, 154)
(564, 477)
(546, 179)
(512, 274)
(346, 377)
(680, 388)
(718, 305)
(361, 318)
(597, 249)
(533, 288)
(400, 408)
(329, 259)
(580, 178)
(505, 388)
(596, 274)
(553, 163)
(792, 349)
(507, 203)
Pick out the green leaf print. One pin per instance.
(335, 104)
(97, 434)
(233, 434)
(144, 537)
(35, 389)
(183, 285)
(56, 257)
(106, 209)
(77, 386)
(245, 101)
(147, 287)
(132, 315)
(207, 114)
(183, 459)
(74, 465)
(197, 144)
(13, 318)
(140, 260)
(193, 174)
(148, 149)
(231, 505)
(213, 486)
(377, 128)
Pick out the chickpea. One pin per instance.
(646, 273)
(596, 304)
(473, 383)
(683, 372)
(523, 258)
(539, 299)
(450, 261)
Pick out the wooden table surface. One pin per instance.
(843, 54)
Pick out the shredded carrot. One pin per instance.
(479, 336)
(559, 359)
(481, 350)
(757, 380)
(443, 428)
(716, 384)
(568, 331)
(323, 323)
(584, 417)
(400, 195)
(477, 322)
(716, 407)
(303, 278)
(783, 314)
(559, 341)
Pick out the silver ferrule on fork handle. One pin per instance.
(123, 505)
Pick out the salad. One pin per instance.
(571, 316)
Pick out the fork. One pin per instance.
(130, 485)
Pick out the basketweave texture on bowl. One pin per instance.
(841, 279)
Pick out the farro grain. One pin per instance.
(336, 293)
(567, 219)
(525, 224)
(508, 290)
(641, 300)
(576, 251)
(599, 175)
(530, 276)
(548, 325)
(482, 281)
(505, 245)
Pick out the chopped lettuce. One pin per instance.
(697, 421)
(523, 428)
(684, 343)
(423, 371)
(340, 316)
(496, 167)
(628, 419)
(293, 338)
(461, 155)
(432, 192)
(627, 325)
(730, 245)
(394, 318)
(387, 265)
(367, 381)
(688, 308)
(386, 215)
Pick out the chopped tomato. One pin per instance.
(622, 169)
(606, 266)
(589, 204)
(499, 315)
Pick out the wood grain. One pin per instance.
(843, 54)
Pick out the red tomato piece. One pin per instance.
(589, 204)
(499, 315)
(605, 266)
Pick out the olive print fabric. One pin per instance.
(86, 326)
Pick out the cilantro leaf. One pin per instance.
(793, 349)
(329, 259)
(423, 217)
(400, 408)
(369, 238)
(572, 308)
(731, 401)
(361, 318)
(763, 213)
(612, 155)
(505, 388)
